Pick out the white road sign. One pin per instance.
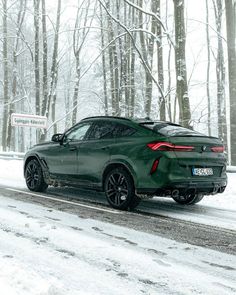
(25, 120)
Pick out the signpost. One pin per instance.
(25, 120)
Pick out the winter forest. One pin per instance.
(171, 60)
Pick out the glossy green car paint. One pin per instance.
(86, 162)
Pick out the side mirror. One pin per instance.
(57, 137)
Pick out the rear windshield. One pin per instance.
(170, 130)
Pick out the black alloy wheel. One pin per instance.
(119, 190)
(34, 177)
(188, 199)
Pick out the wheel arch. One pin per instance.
(112, 165)
(34, 157)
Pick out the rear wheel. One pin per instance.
(34, 177)
(119, 190)
(188, 199)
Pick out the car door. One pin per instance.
(62, 158)
(94, 153)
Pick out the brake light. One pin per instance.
(167, 146)
(218, 149)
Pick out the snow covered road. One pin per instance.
(45, 251)
(218, 210)
(51, 247)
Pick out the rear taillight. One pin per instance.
(218, 149)
(167, 146)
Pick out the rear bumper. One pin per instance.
(204, 187)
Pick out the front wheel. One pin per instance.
(120, 191)
(34, 177)
(188, 199)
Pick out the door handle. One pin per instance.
(72, 148)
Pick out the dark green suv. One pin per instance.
(130, 160)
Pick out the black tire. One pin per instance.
(188, 199)
(119, 190)
(34, 177)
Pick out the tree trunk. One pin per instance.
(230, 8)
(36, 61)
(50, 100)
(169, 109)
(220, 75)
(208, 71)
(54, 73)
(20, 19)
(5, 77)
(180, 64)
(104, 68)
(36, 57)
(113, 64)
(45, 59)
(76, 90)
(147, 52)
(160, 69)
(79, 37)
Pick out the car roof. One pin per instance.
(140, 121)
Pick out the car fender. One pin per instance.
(42, 163)
(124, 163)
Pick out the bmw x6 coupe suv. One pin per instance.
(130, 160)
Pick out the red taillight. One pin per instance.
(167, 146)
(154, 166)
(218, 149)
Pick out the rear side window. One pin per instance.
(121, 130)
(171, 130)
(105, 130)
(101, 130)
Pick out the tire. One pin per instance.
(119, 190)
(188, 199)
(34, 177)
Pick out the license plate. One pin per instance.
(202, 171)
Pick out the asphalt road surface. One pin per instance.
(148, 217)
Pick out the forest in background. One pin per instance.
(169, 60)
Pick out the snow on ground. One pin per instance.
(45, 251)
(11, 173)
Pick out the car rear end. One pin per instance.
(179, 161)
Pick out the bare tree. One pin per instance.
(130, 65)
(81, 30)
(208, 70)
(54, 69)
(5, 76)
(230, 8)
(169, 80)
(160, 69)
(45, 59)
(113, 65)
(104, 67)
(180, 64)
(36, 56)
(20, 19)
(220, 74)
(147, 46)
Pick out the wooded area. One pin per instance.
(161, 59)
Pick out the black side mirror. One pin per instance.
(57, 137)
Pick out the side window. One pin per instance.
(102, 130)
(123, 130)
(78, 132)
